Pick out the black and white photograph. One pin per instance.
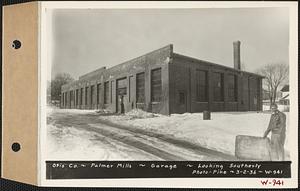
(168, 84)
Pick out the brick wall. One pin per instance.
(183, 78)
(146, 63)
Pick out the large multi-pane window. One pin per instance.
(92, 95)
(131, 94)
(156, 91)
(140, 87)
(81, 96)
(76, 97)
(71, 95)
(111, 89)
(65, 104)
(86, 95)
(201, 86)
(98, 93)
(106, 92)
(232, 87)
(71, 98)
(63, 99)
(218, 86)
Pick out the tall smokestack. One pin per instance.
(237, 55)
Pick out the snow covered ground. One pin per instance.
(80, 135)
(83, 134)
(68, 142)
(218, 133)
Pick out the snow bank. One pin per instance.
(140, 114)
(103, 111)
(218, 133)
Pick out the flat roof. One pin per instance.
(102, 69)
(219, 65)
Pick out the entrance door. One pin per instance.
(121, 99)
(121, 95)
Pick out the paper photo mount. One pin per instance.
(20, 92)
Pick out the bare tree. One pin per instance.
(275, 75)
(56, 84)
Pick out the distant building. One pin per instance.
(285, 99)
(165, 82)
(266, 96)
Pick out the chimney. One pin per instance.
(237, 55)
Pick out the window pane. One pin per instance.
(232, 88)
(92, 94)
(71, 95)
(106, 92)
(156, 90)
(201, 86)
(181, 98)
(81, 96)
(86, 95)
(77, 97)
(131, 88)
(140, 88)
(218, 86)
(98, 93)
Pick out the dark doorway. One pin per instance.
(122, 98)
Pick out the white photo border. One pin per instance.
(46, 7)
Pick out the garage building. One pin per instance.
(165, 82)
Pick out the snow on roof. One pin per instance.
(285, 88)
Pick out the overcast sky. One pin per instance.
(86, 39)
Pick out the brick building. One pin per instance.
(166, 82)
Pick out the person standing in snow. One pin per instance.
(277, 127)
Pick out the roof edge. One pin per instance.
(211, 63)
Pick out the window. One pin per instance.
(201, 86)
(140, 87)
(71, 95)
(111, 88)
(106, 92)
(81, 96)
(63, 99)
(156, 85)
(65, 104)
(232, 87)
(218, 86)
(77, 97)
(98, 93)
(130, 88)
(92, 94)
(86, 95)
(181, 98)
